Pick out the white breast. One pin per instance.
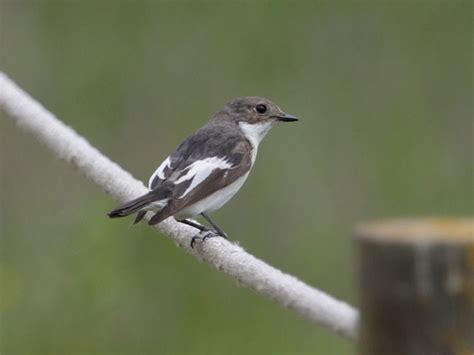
(214, 201)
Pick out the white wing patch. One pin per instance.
(160, 171)
(200, 170)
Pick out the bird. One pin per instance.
(209, 167)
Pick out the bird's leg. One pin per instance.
(215, 226)
(197, 226)
(193, 224)
(210, 233)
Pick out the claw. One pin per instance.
(223, 235)
(209, 234)
(193, 240)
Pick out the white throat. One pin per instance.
(255, 132)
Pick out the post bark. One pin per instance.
(416, 287)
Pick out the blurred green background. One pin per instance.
(383, 91)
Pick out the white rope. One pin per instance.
(228, 257)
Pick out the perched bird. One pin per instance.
(209, 167)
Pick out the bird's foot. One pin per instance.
(208, 234)
(222, 234)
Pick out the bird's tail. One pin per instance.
(133, 206)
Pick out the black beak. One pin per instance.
(285, 118)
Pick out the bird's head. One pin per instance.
(254, 109)
(254, 115)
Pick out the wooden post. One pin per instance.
(416, 287)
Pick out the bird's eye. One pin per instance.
(261, 108)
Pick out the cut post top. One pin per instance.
(419, 230)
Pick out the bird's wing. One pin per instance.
(208, 145)
(209, 175)
(208, 167)
(164, 171)
(180, 159)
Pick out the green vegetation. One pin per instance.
(384, 96)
